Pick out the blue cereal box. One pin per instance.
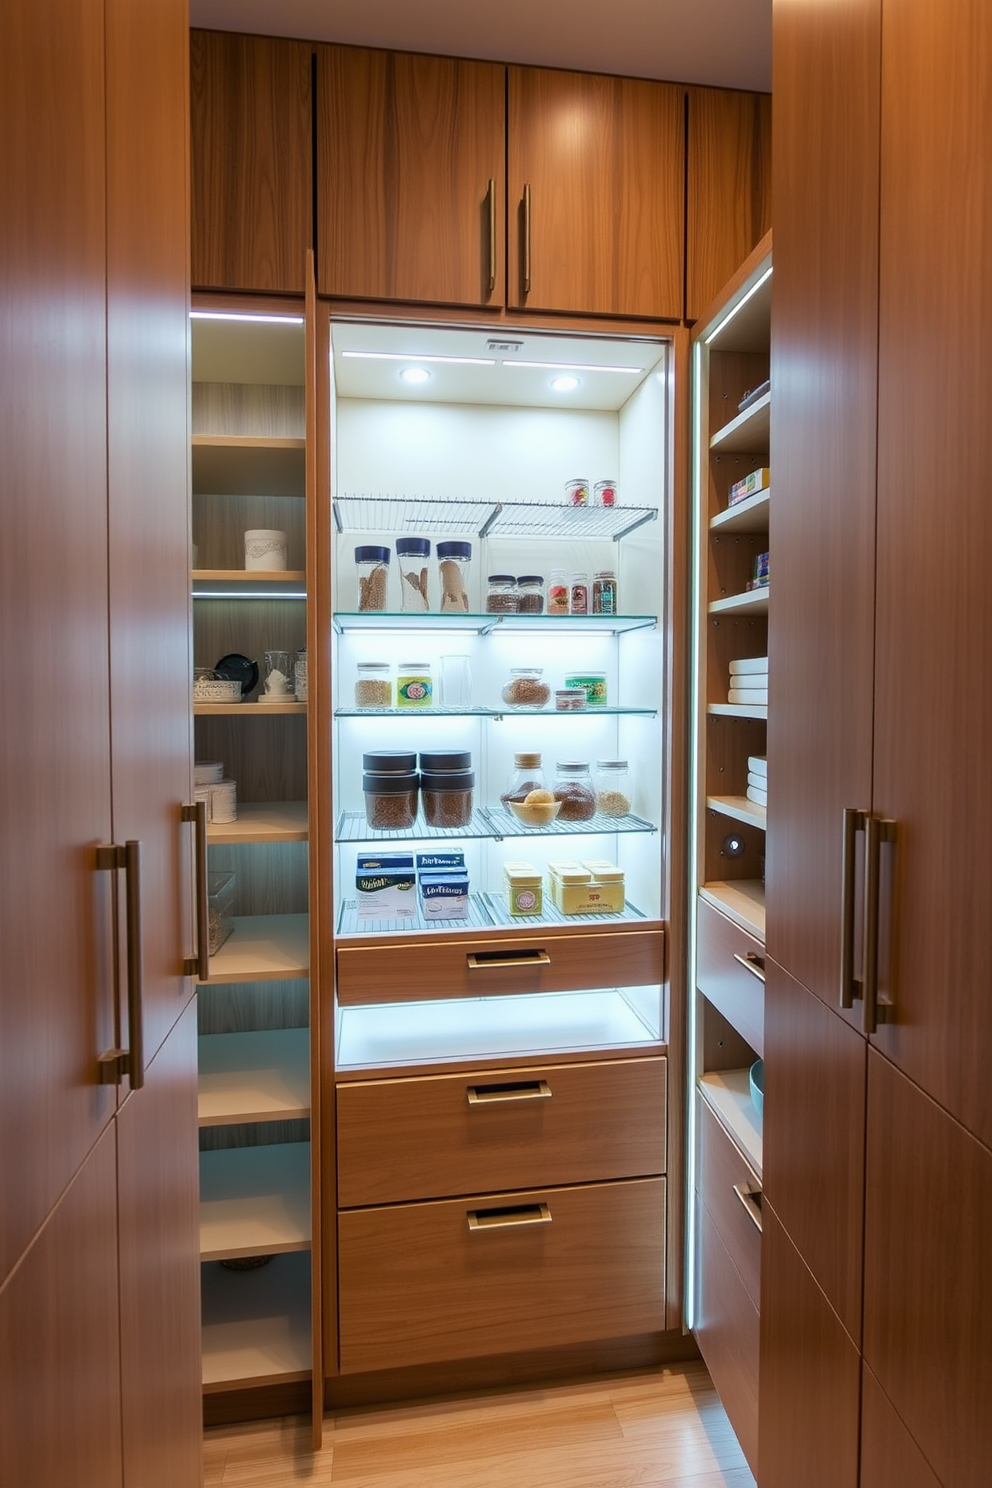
(444, 896)
(441, 862)
(385, 886)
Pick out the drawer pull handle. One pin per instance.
(507, 960)
(751, 1199)
(511, 1218)
(753, 963)
(522, 1090)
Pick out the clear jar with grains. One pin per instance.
(453, 559)
(578, 594)
(530, 594)
(527, 776)
(526, 689)
(373, 687)
(391, 800)
(372, 563)
(447, 797)
(612, 788)
(573, 788)
(501, 595)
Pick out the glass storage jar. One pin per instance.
(412, 554)
(447, 797)
(372, 563)
(577, 491)
(527, 776)
(373, 687)
(604, 593)
(390, 800)
(604, 493)
(414, 684)
(558, 592)
(525, 688)
(573, 788)
(530, 594)
(453, 559)
(501, 596)
(578, 594)
(612, 788)
(593, 684)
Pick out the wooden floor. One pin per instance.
(663, 1427)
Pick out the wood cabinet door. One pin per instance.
(250, 161)
(148, 484)
(822, 517)
(933, 714)
(56, 1003)
(595, 194)
(728, 187)
(890, 1457)
(410, 179)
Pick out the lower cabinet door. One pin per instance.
(728, 1332)
(890, 1457)
(499, 1273)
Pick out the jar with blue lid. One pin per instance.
(372, 563)
(453, 560)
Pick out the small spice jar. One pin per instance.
(578, 594)
(373, 688)
(593, 684)
(604, 593)
(612, 788)
(414, 685)
(390, 800)
(527, 776)
(412, 554)
(372, 563)
(558, 592)
(530, 594)
(577, 492)
(570, 700)
(447, 797)
(604, 493)
(453, 560)
(525, 688)
(573, 788)
(501, 596)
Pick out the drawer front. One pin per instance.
(449, 967)
(728, 1333)
(722, 1171)
(421, 1283)
(501, 1129)
(725, 981)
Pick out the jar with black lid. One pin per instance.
(390, 799)
(390, 761)
(501, 595)
(530, 594)
(447, 797)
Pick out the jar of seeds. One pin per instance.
(390, 800)
(447, 797)
(373, 688)
(573, 788)
(612, 788)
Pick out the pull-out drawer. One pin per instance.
(456, 966)
(730, 973)
(500, 1273)
(501, 1129)
(731, 1195)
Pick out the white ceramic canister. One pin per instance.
(208, 772)
(224, 801)
(202, 793)
(265, 549)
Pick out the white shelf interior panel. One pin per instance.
(742, 899)
(749, 432)
(348, 622)
(488, 1027)
(256, 1324)
(257, 1076)
(739, 808)
(749, 515)
(728, 1095)
(751, 602)
(264, 948)
(263, 821)
(738, 710)
(254, 1200)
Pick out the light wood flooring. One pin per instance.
(661, 1427)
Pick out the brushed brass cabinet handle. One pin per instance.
(753, 963)
(850, 985)
(527, 240)
(751, 1200)
(491, 200)
(520, 1090)
(509, 961)
(512, 1217)
(199, 965)
(879, 829)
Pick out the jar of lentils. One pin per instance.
(530, 594)
(526, 689)
(373, 688)
(573, 788)
(501, 595)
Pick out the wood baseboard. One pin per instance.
(258, 1403)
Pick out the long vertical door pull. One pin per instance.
(130, 1059)
(879, 830)
(850, 985)
(199, 965)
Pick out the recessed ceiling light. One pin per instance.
(573, 367)
(564, 384)
(415, 375)
(407, 356)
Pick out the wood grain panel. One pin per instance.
(407, 146)
(604, 160)
(249, 408)
(436, 969)
(238, 1007)
(928, 1235)
(264, 755)
(159, 1266)
(728, 187)
(810, 1376)
(417, 1285)
(219, 527)
(721, 1167)
(59, 1347)
(250, 161)
(56, 1012)
(813, 1161)
(148, 480)
(890, 1457)
(270, 878)
(727, 1331)
(737, 992)
(423, 1139)
(824, 328)
(937, 111)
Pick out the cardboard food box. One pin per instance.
(444, 896)
(524, 888)
(749, 485)
(385, 886)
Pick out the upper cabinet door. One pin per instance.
(595, 199)
(411, 178)
(250, 145)
(729, 198)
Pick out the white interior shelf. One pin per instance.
(742, 899)
(738, 710)
(749, 515)
(488, 1027)
(348, 622)
(740, 808)
(254, 1200)
(749, 432)
(728, 1095)
(263, 821)
(751, 602)
(486, 912)
(256, 1324)
(258, 1076)
(264, 948)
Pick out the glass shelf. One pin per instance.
(486, 912)
(350, 621)
(497, 713)
(491, 822)
(398, 514)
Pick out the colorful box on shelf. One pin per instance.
(592, 886)
(443, 896)
(749, 485)
(385, 886)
